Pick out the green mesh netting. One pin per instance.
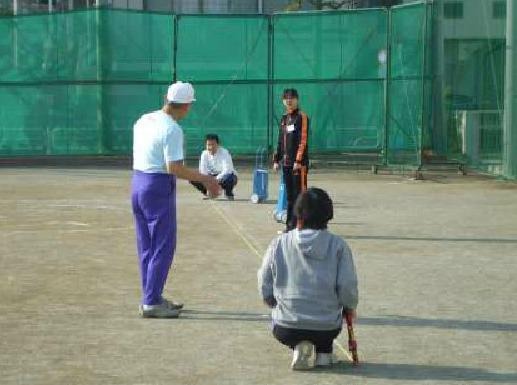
(81, 94)
(474, 91)
(49, 47)
(470, 101)
(344, 116)
(222, 48)
(50, 119)
(227, 59)
(406, 92)
(60, 95)
(136, 46)
(343, 94)
(236, 112)
(340, 45)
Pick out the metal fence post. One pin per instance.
(270, 83)
(175, 21)
(510, 121)
(387, 89)
(423, 79)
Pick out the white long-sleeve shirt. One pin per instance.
(219, 164)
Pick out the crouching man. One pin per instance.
(216, 161)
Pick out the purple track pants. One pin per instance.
(153, 198)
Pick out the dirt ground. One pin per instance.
(436, 260)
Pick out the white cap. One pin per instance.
(180, 92)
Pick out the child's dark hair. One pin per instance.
(212, 137)
(314, 209)
(290, 93)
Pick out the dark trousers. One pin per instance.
(295, 183)
(227, 183)
(322, 339)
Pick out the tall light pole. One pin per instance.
(101, 147)
(510, 100)
(15, 34)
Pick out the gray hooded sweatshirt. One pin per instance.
(311, 274)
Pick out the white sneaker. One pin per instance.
(162, 310)
(301, 355)
(323, 359)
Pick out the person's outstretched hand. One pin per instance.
(270, 301)
(212, 187)
(352, 312)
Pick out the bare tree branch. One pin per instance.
(294, 5)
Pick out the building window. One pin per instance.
(499, 9)
(453, 10)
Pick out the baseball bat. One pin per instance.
(352, 343)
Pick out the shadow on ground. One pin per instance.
(405, 372)
(389, 320)
(203, 315)
(430, 239)
(476, 325)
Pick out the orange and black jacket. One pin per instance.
(292, 139)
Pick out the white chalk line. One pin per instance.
(236, 229)
(82, 230)
(345, 352)
(65, 203)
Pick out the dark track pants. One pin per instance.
(227, 183)
(295, 183)
(322, 339)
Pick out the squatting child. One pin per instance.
(308, 278)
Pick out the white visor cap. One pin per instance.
(179, 92)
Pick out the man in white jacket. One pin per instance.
(216, 161)
(308, 278)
